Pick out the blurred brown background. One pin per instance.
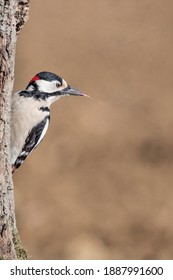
(100, 185)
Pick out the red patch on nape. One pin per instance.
(35, 78)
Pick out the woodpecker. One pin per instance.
(30, 115)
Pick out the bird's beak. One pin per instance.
(71, 91)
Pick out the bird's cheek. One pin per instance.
(52, 99)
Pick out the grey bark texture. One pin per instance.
(13, 15)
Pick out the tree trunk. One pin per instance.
(13, 15)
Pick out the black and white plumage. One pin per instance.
(31, 113)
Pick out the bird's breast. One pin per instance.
(25, 115)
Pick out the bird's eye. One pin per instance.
(58, 84)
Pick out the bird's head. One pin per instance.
(49, 86)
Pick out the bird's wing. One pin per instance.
(34, 137)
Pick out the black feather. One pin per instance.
(36, 94)
(31, 142)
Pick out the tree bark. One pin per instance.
(13, 15)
